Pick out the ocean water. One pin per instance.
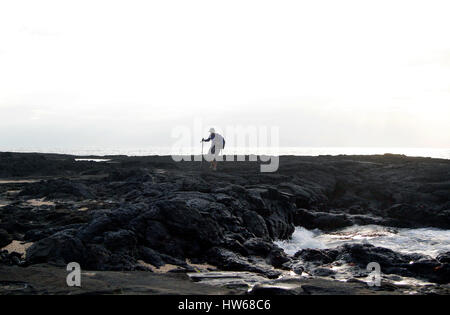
(443, 153)
(427, 241)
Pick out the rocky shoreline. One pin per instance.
(141, 215)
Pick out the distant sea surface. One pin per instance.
(299, 151)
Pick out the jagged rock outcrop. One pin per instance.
(118, 214)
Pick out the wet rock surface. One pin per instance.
(360, 255)
(46, 279)
(132, 212)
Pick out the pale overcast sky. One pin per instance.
(328, 73)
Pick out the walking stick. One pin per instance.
(202, 153)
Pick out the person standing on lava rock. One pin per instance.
(217, 144)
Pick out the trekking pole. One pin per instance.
(202, 153)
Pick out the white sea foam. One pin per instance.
(428, 241)
(92, 160)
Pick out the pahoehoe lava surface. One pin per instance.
(130, 213)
